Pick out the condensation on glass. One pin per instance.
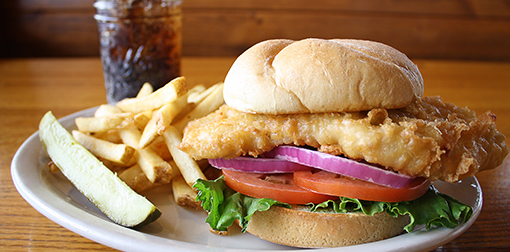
(140, 41)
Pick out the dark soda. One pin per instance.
(140, 41)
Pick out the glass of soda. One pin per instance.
(140, 41)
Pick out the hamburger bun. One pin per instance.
(316, 75)
(299, 227)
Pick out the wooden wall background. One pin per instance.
(438, 29)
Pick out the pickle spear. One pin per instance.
(94, 180)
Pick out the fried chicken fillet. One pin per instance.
(428, 138)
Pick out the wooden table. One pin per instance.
(30, 87)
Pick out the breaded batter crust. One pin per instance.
(429, 138)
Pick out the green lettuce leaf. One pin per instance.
(225, 205)
(433, 209)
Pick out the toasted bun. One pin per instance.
(298, 227)
(316, 75)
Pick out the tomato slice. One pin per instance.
(334, 184)
(280, 187)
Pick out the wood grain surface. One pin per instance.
(433, 29)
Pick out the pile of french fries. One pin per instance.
(138, 137)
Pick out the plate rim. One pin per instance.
(95, 226)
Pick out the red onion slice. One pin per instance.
(340, 165)
(259, 165)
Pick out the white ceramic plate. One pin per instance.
(180, 229)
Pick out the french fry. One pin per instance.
(212, 102)
(159, 146)
(150, 160)
(194, 92)
(187, 166)
(166, 94)
(135, 178)
(155, 168)
(166, 114)
(110, 136)
(106, 110)
(184, 195)
(150, 132)
(142, 118)
(145, 90)
(118, 153)
(105, 123)
(197, 93)
(117, 167)
(161, 119)
(184, 112)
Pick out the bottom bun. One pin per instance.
(299, 227)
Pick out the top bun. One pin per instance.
(315, 75)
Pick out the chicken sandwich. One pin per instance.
(326, 143)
